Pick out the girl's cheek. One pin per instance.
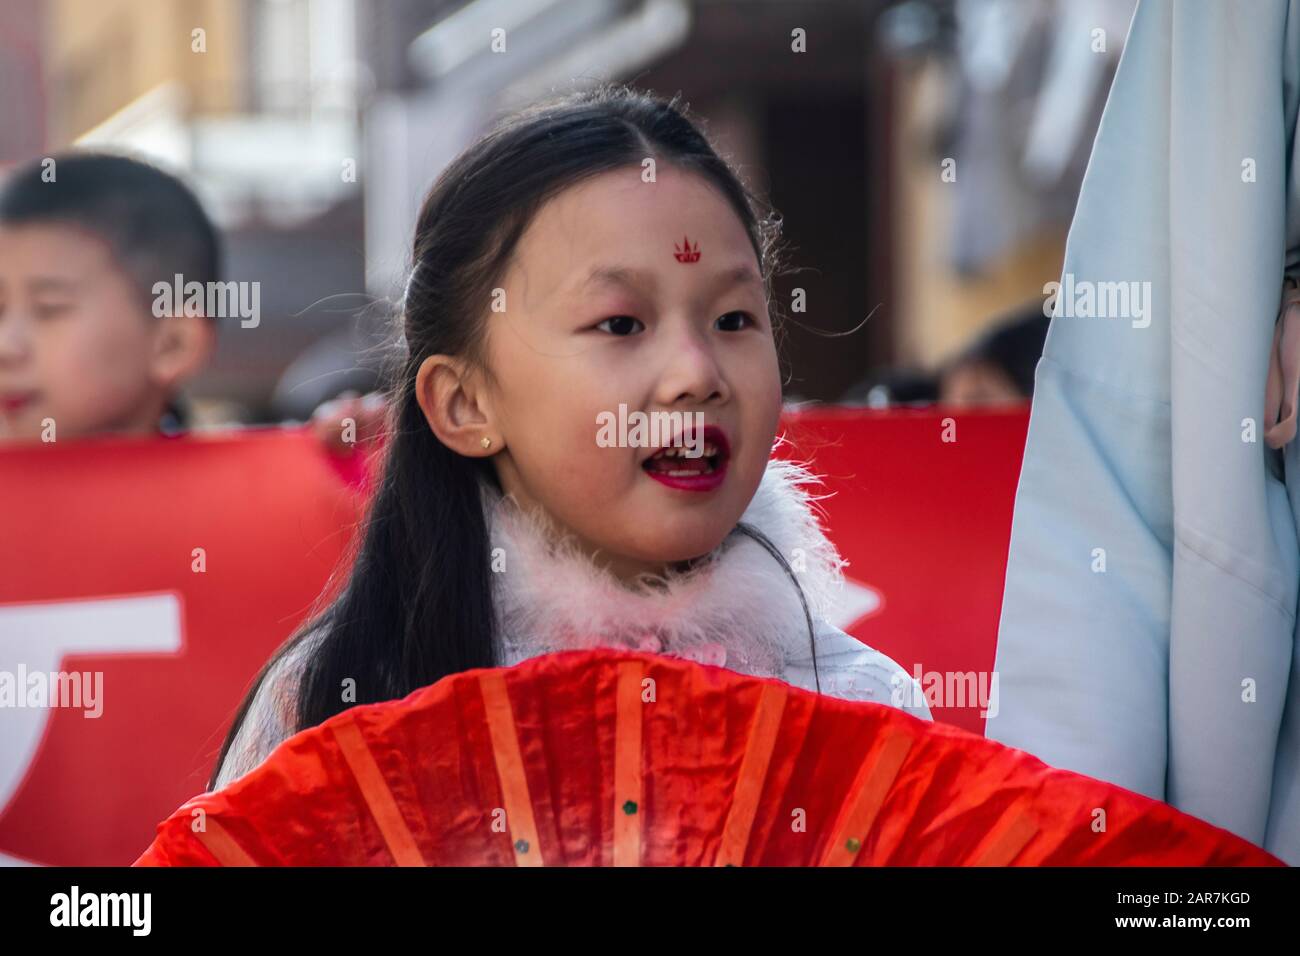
(767, 404)
(575, 465)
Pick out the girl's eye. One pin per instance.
(735, 321)
(622, 325)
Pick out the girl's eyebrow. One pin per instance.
(636, 278)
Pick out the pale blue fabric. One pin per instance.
(1136, 674)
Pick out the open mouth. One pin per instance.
(674, 467)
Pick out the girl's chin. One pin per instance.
(671, 551)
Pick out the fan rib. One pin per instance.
(858, 813)
(510, 769)
(628, 802)
(377, 795)
(1008, 836)
(218, 841)
(753, 772)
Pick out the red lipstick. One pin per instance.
(670, 466)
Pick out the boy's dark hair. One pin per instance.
(1014, 345)
(154, 225)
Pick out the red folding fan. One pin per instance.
(625, 759)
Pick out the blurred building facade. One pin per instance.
(312, 128)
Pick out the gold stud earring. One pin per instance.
(486, 442)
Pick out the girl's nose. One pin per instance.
(691, 372)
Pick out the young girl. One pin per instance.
(588, 257)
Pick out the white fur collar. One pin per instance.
(737, 606)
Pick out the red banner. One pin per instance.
(920, 507)
(156, 576)
(172, 567)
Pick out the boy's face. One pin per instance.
(78, 344)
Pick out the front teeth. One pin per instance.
(709, 451)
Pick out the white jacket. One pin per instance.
(738, 608)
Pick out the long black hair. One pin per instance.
(417, 605)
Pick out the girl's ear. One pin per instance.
(453, 404)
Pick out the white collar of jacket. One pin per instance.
(550, 597)
(736, 607)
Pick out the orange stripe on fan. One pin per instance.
(222, 845)
(753, 771)
(858, 814)
(377, 794)
(510, 769)
(628, 804)
(1008, 836)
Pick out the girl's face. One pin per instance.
(602, 309)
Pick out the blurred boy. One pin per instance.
(81, 350)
